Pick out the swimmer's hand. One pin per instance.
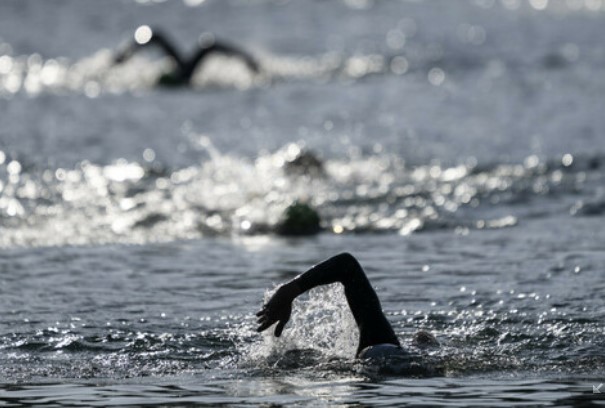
(278, 308)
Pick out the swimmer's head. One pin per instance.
(424, 339)
(171, 79)
(390, 359)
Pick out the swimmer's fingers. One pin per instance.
(265, 313)
(265, 325)
(282, 320)
(279, 327)
(264, 320)
(267, 319)
(277, 309)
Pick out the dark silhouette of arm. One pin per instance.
(157, 39)
(373, 326)
(215, 47)
(185, 67)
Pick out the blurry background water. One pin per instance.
(462, 154)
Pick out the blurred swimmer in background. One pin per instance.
(184, 68)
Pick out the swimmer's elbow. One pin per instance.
(346, 257)
(348, 261)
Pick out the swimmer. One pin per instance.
(144, 37)
(377, 340)
(305, 163)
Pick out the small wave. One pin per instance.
(588, 208)
(98, 72)
(320, 340)
(133, 202)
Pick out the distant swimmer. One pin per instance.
(377, 340)
(145, 36)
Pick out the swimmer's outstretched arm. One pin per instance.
(216, 47)
(154, 38)
(374, 328)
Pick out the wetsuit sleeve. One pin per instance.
(220, 48)
(374, 328)
(157, 39)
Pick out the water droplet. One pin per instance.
(149, 155)
(143, 34)
(567, 160)
(13, 168)
(436, 76)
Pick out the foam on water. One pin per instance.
(322, 322)
(406, 46)
(513, 337)
(99, 74)
(226, 194)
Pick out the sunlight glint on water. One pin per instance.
(456, 149)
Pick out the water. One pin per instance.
(463, 155)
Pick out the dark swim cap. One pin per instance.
(389, 359)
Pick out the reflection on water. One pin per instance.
(473, 38)
(310, 392)
(142, 202)
(495, 303)
(99, 73)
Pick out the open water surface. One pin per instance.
(463, 160)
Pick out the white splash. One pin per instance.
(321, 322)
